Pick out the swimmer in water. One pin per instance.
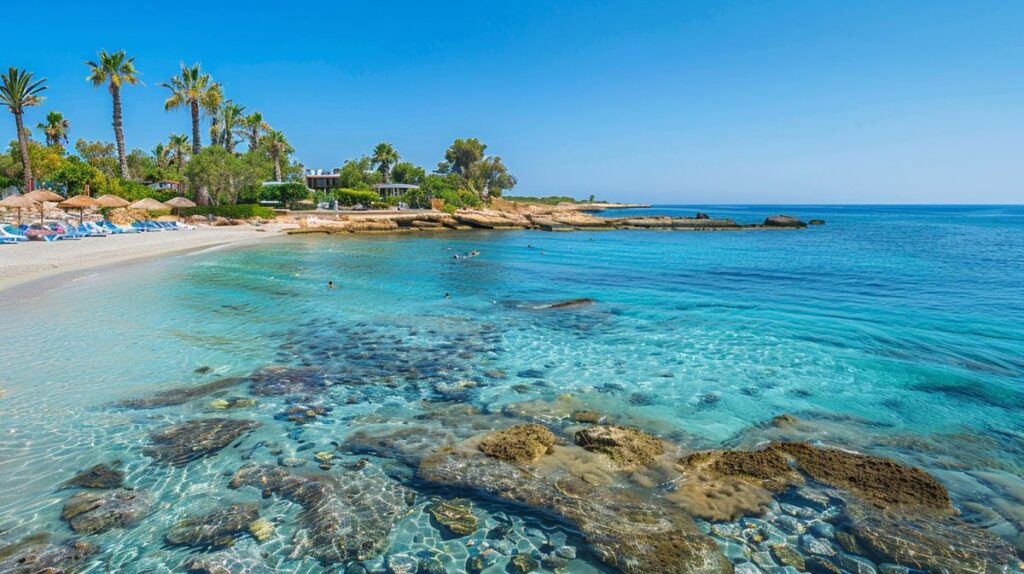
(330, 284)
(447, 296)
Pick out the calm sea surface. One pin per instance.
(897, 330)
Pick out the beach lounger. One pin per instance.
(116, 229)
(12, 234)
(91, 230)
(65, 231)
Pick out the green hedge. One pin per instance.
(240, 211)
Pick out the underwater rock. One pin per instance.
(524, 563)
(928, 543)
(819, 565)
(430, 565)
(182, 395)
(626, 447)
(99, 476)
(279, 381)
(521, 443)
(92, 512)
(788, 557)
(626, 530)
(570, 303)
(182, 443)
(262, 530)
(346, 516)
(217, 529)
(767, 468)
(589, 417)
(226, 562)
(881, 481)
(233, 403)
(36, 555)
(303, 414)
(456, 516)
(816, 222)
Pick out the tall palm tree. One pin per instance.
(252, 127)
(115, 69)
(177, 150)
(278, 148)
(160, 155)
(17, 92)
(384, 156)
(226, 123)
(199, 92)
(56, 129)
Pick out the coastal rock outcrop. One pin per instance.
(93, 512)
(346, 517)
(35, 554)
(216, 529)
(783, 221)
(625, 447)
(182, 395)
(180, 444)
(521, 443)
(99, 476)
(766, 468)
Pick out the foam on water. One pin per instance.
(894, 330)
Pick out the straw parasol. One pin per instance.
(148, 204)
(18, 202)
(79, 202)
(110, 200)
(43, 195)
(179, 203)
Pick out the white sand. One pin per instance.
(32, 260)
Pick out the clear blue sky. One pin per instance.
(688, 102)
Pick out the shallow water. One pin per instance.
(896, 330)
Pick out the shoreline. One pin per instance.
(36, 260)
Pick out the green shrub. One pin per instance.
(285, 193)
(354, 196)
(239, 211)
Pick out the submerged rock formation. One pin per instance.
(346, 517)
(180, 444)
(455, 516)
(625, 447)
(93, 512)
(521, 443)
(99, 476)
(216, 529)
(279, 381)
(182, 395)
(570, 303)
(37, 555)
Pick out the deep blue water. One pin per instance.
(892, 329)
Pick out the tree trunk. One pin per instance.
(277, 167)
(122, 159)
(197, 143)
(26, 161)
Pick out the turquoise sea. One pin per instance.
(892, 330)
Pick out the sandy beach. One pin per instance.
(37, 259)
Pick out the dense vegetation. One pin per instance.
(238, 211)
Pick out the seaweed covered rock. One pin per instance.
(36, 554)
(279, 381)
(347, 517)
(880, 481)
(92, 512)
(625, 447)
(182, 395)
(99, 476)
(227, 562)
(521, 443)
(455, 516)
(767, 468)
(180, 444)
(626, 530)
(928, 543)
(216, 529)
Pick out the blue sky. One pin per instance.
(684, 102)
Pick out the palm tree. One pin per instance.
(252, 127)
(115, 69)
(160, 154)
(56, 129)
(199, 92)
(226, 124)
(177, 150)
(278, 148)
(384, 156)
(17, 92)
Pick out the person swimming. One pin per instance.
(330, 284)
(447, 296)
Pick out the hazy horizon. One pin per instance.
(696, 103)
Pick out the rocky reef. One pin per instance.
(182, 395)
(455, 516)
(216, 529)
(180, 444)
(346, 516)
(99, 476)
(521, 443)
(37, 555)
(92, 512)
(626, 448)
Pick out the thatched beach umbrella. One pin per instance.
(179, 203)
(111, 201)
(18, 202)
(148, 204)
(79, 202)
(41, 196)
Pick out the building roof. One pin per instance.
(395, 186)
